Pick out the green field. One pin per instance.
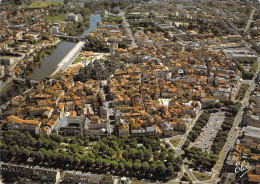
(59, 17)
(78, 59)
(175, 142)
(200, 176)
(42, 4)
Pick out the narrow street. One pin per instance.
(250, 20)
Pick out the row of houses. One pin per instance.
(53, 176)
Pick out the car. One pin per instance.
(219, 161)
(229, 142)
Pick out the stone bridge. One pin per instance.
(72, 38)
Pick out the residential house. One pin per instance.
(15, 123)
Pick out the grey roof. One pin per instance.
(150, 129)
(63, 121)
(252, 131)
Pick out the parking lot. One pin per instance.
(210, 131)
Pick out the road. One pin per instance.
(178, 152)
(233, 133)
(250, 20)
(184, 136)
(129, 30)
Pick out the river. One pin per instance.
(49, 63)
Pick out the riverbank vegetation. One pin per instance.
(37, 59)
(77, 28)
(142, 157)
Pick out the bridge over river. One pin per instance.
(71, 38)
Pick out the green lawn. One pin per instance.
(200, 176)
(186, 178)
(42, 4)
(77, 60)
(175, 142)
(55, 18)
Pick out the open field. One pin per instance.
(175, 142)
(42, 4)
(200, 176)
(59, 17)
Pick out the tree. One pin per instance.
(179, 160)
(110, 151)
(163, 155)
(177, 167)
(114, 165)
(170, 171)
(121, 166)
(136, 166)
(90, 161)
(145, 167)
(161, 169)
(25, 153)
(171, 158)
(122, 45)
(147, 154)
(53, 145)
(12, 151)
(70, 159)
(61, 157)
(153, 167)
(106, 163)
(128, 165)
(98, 161)
(218, 105)
(125, 154)
(233, 109)
(39, 157)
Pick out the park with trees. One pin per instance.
(247, 75)
(140, 157)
